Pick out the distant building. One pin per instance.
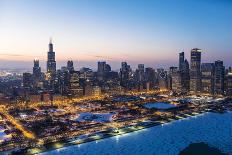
(184, 71)
(70, 65)
(75, 89)
(175, 81)
(195, 71)
(219, 78)
(103, 69)
(149, 75)
(140, 73)
(37, 75)
(171, 71)
(51, 61)
(181, 61)
(162, 79)
(207, 78)
(228, 84)
(88, 88)
(51, 69)
(125, 71)
(27, 81)
(96, 91)
(63, 80)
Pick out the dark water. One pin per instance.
(200, 149)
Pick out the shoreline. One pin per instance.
(104, 134)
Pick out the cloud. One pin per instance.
(16, 55)
(102, 57)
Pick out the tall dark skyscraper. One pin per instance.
(51, 61)
(101, 67)
(124, 74)
(140, 72)
(37, 75)
(27, 81)
(36, 69)
(219, 78)
(103, 70)
(181, 61)
(70, 65)
(184, 72)
(195, 70)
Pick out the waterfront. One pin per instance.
(164, 139)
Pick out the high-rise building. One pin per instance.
(75, 89)
(219, 78)
(63, 80)
(162, 79)
(27, 81)
(88, 88)
(207, 78)
(171, 71)
(102, 70)
(149, 75)
(140, 73)
(228, 84)
(51, 61)
(185, 77)
(175, 80)
(195, 71)
(36, 68)
(124, 74)
(181, 61)
(96, 91)
(184, 72)
(70, 65)
(101, 66)
(36, 71)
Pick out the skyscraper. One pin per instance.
(36, 69)
(37, 75)
(101, 67)
(75, 89)
(184, 72)
(207, 78)
(228, 84)
(102, 70)
(195, 70)
(185, 77)
(162, 79)
(181, 61)
(70, 65)
(175, 80)
(27, 81)
(51, 62)
(124, 74)
(219, 78)
(140, 72)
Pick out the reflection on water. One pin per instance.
(201, 149)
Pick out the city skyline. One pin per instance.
(115, 77)
(93, 66)
(87, 32)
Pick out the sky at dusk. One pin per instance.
(152, 32)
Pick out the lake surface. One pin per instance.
(213, 129)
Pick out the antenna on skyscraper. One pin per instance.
(50, 40)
